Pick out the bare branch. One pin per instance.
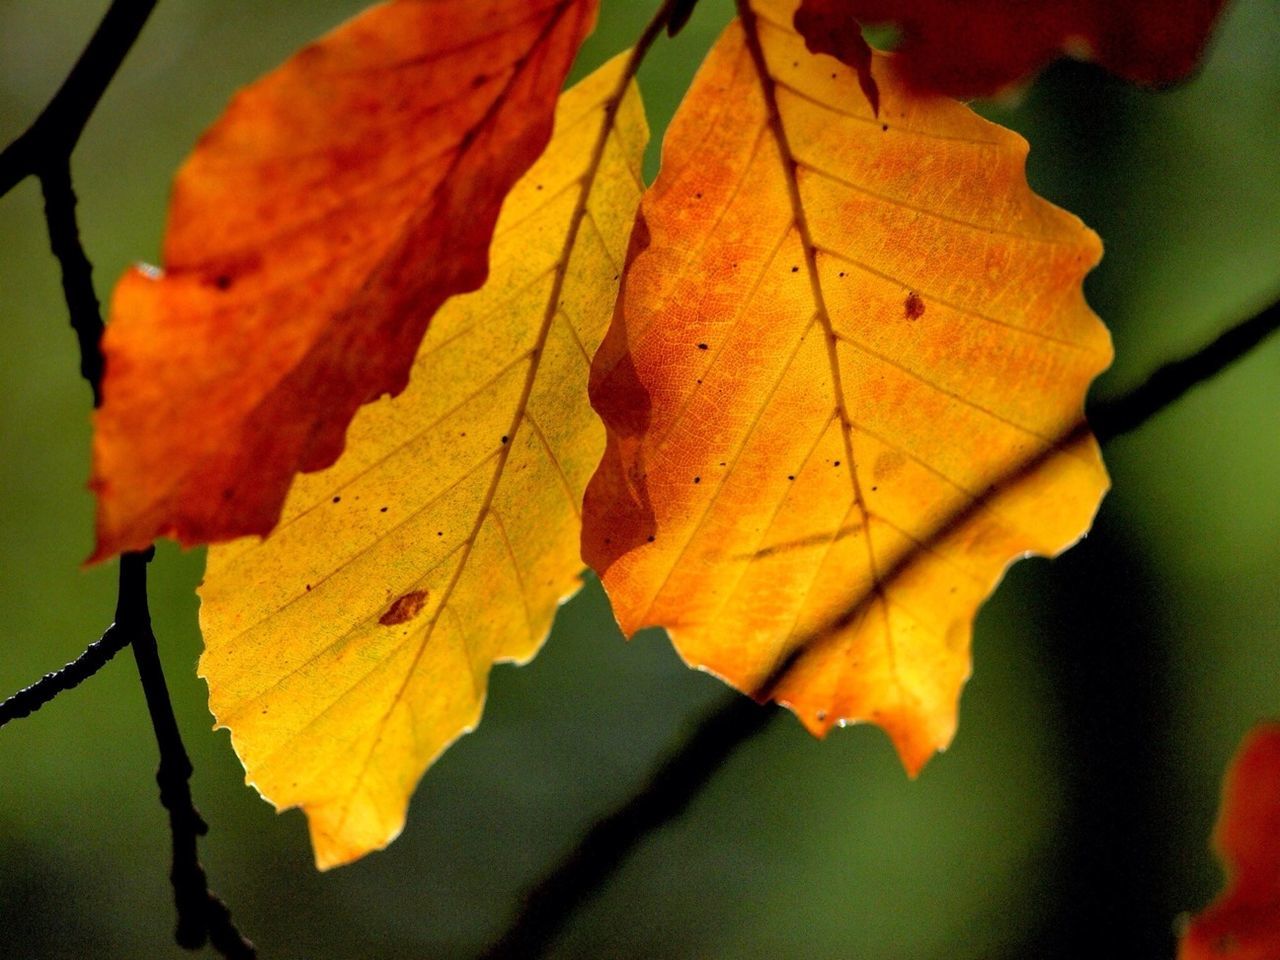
(30, 699)
(77, 272)
(202, 916)
(48, 142)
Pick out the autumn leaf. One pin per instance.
(353, 645)
(979, 47)
(312, 234)
(842, 387)
(1244, 922)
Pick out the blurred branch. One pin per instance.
(1170, 382)
(690, 765)
(48, 142)
(30, 699)
(605, 847)
(202, 916)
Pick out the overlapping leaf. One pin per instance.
(1244, 923)
(843, 387)
(978, 47)
(313, 233)
(349, 648)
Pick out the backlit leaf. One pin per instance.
(1244, 923)
(843, 387)
(353, 645)
(314, 231)
(970, 48)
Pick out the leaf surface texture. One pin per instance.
(312, 234)
(843, 387)
(349, 648)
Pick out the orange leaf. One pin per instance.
(978, 47)
(1244, 922)
(312, 234)
(842, 387)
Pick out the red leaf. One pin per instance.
(968, 48)
(1244, 922)
(314, 231)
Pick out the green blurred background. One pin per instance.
(1110, 687)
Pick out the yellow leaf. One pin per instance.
(843, 387)
(352, 646)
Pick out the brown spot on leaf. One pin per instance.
(913, 307)
(404, 609)
(888, 463)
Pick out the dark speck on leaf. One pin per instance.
(837, 463)
(505, 438)
(913, 306)
(383, 510)
(337, 499)
(439, 533)
(884, 127)
(404, 609)
(702, 346)
(697, 479)
(822, 716)
(795, 269)
(652, 538)
(791, 476)
(308, 588)
(222, 281)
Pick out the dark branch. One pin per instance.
(202, 916)
(689, 767)
(44, 151)
(77, 272)
(604, 848)
(30, 699)
(1171, 381)
(51, 138)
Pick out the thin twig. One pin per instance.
(202, 916)
(77, 272)
(30, 699)
(54, 134)
(690, 764)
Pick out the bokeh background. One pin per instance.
(1110, 687)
